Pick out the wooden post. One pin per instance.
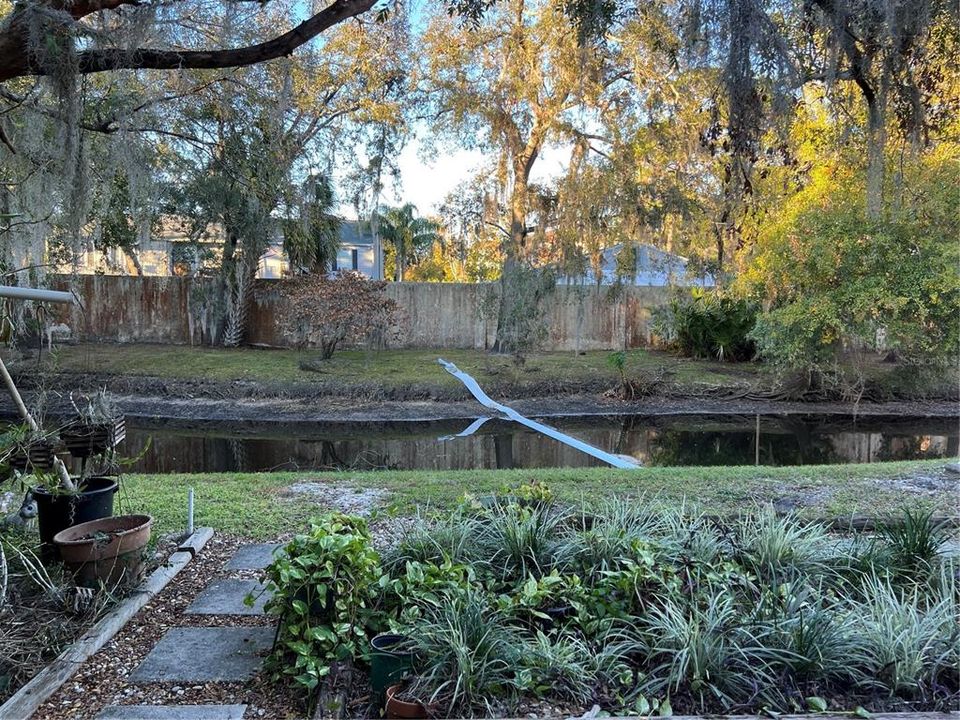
(756, 443)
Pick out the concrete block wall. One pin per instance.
(436, 315)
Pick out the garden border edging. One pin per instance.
(23, 703)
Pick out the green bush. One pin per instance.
(323, 585)
(835, 280)
(708, 324)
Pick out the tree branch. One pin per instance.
(17, 61)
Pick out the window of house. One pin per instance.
(353, 258)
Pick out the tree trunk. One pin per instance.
(876, 145)
(239, 291)
(514, 255)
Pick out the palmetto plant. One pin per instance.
(312, 237)
(408, 234)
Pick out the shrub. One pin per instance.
(835, 279)
(323, 584)
(471, 654)
(909, 644)
(329, 312)
(708, 324)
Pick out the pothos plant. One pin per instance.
(324, 585)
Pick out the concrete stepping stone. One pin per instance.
(252, 557)
(172, 712)
(225, 597)
(206, 654)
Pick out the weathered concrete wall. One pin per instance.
(452, 315)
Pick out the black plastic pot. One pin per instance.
(390, 662)
(60, 510)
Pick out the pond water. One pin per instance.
(653, 440)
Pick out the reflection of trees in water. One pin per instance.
(911, 447)
(503, 450)
(361, 459)
(239, 455)
(690, 447)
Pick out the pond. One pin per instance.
(653, 440)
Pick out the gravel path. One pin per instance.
(103, 679)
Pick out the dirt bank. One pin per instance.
(179, 403)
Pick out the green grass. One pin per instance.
(390, 368)
(252, 504)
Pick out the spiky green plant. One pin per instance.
(914, 539)
(772, 545)
(706, 652)
(908, 643)
(468, 654)
(518, 541)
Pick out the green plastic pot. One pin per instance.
(390, 661)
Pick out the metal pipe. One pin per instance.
(24, 293)
(189, 512)
(616, 460)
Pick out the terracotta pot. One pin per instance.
(108, 551)
(397, 708)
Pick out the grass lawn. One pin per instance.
(390, 368)
(255, 504)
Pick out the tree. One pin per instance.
(837, 280)
(41, 38)
(328, 312)
(312, 237)
(511, 85)
(887, 51)
(409, 235)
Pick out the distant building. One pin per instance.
(652, 266)
(356, 250)
(172, 251)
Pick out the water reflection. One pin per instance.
(678, 440)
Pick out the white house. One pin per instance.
(357, 250)
(653, 266)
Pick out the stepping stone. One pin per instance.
(172, 712)
(225, 597)
(206, 654)
(252, 557)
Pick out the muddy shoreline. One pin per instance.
(195, 402)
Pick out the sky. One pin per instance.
(426, 183)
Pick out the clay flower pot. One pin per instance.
(397, 708)
(107, 551)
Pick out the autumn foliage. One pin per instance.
(326, 312)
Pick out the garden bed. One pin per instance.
(43, 611)
(520, 604)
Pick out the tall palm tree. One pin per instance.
(410, 235)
